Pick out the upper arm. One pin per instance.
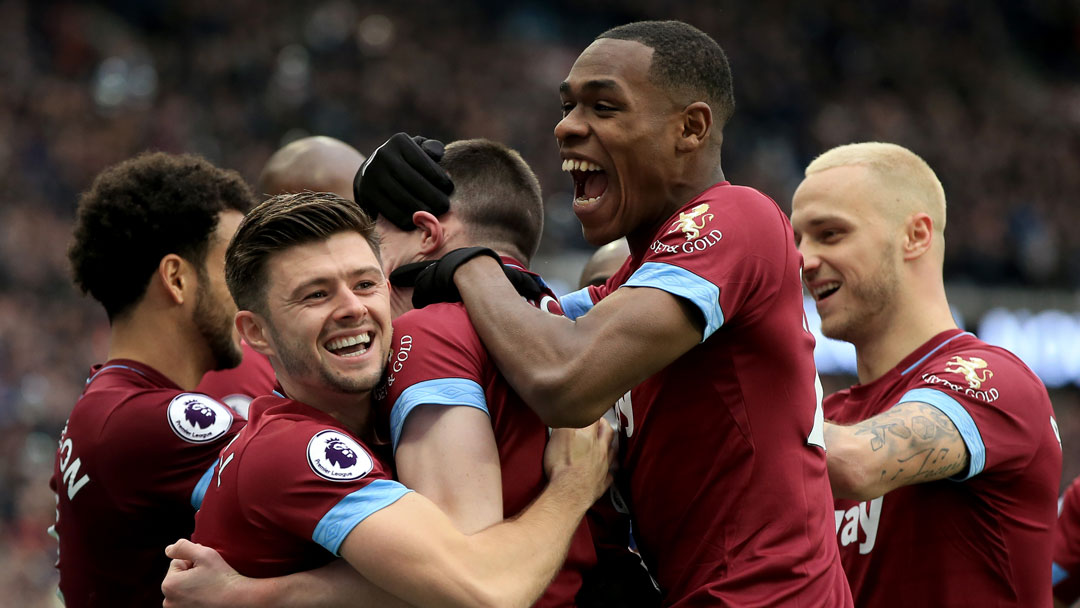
(624, 339)
(913, 442)
(448, 454)
(412, 550)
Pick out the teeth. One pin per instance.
(571, 164)
(348, 341)
(817, 291)
(586, 201)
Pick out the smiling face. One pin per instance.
(851, 259)
(617, 139)
(329, 317)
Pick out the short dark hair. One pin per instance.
(685, 59)
(139, 211)
(496, 195)
(281, 222)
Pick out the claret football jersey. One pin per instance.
(984, 537)
(288, 490)
(438, 359)
(127, 467)
(722, 465)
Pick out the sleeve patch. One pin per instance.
(684, 284)
(197, 418)
(353, 509)
(963, 421)
(576, 304)
(442, 391)
(335, 456)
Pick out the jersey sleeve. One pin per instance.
(998, 405)
(437, 359)
(1066, 567)
(168, 448)
(720, 252)
(324, 483)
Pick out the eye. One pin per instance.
(603, 107)
(316, 295)
(366, 285)
(567, 107)
(830, 235)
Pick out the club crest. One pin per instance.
(198, 418)
(335, 456)
(968, 369)
(688, 221)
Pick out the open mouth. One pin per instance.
(823, 291)
(590, 181)
(349, 346)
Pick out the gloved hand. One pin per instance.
(433, 280)
(402, 177)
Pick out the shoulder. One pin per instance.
(974, 369)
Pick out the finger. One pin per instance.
(180, 565)
(420, 159)
(433, 147)
(185, 549)
(424, 193)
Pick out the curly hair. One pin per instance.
(279, 223)
(685, 59)
(139, 211)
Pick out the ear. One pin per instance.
(252, 328)
(918, 236)
(432, 233)
(697, 122)
(176, 277)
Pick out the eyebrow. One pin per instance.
(592, 85)
(320, 281)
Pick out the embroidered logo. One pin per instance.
(688, 224)
(198, 418)
(968, 368)
(335, 456)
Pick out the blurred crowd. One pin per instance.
(988, 93)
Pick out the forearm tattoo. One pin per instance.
(918, 442)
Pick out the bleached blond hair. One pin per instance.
(902, 172)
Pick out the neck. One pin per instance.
(681, 190)
(164, 342)
(353, 410)
(912, 323)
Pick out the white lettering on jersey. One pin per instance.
(69, 470)
(865, 515)
(399, 358)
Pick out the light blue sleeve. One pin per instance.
(440, 391)
(963, 422)
(204, 483)
(684, 284)
(576, 303)
(353, 509)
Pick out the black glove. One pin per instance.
(402, 177)
(433, 280)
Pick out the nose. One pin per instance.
(571, 126)
(811, 260)
(350, 306)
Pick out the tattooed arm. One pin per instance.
(911, 443)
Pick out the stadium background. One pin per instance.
(987, 92)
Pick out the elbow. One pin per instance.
(852, 474)
(557, 398)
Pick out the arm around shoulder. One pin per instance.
(571, 372)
